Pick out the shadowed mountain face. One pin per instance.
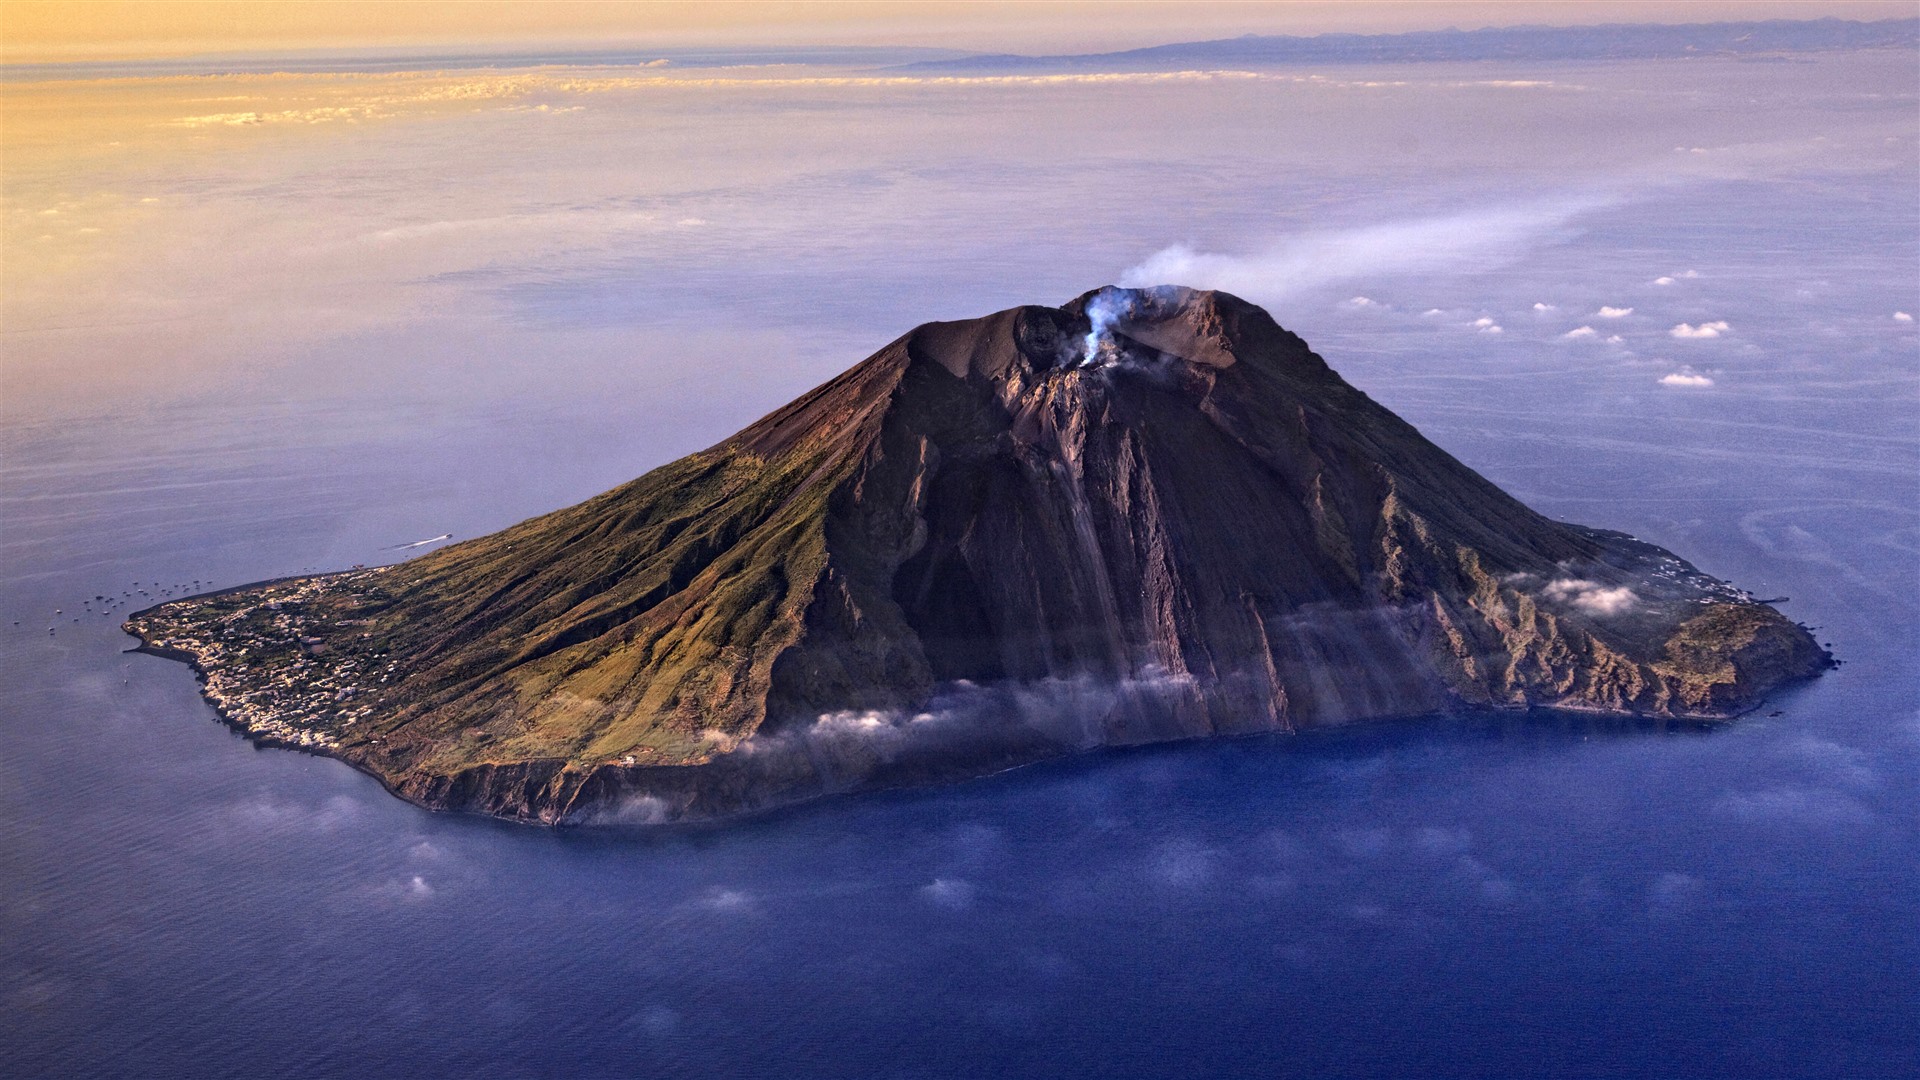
(1146, 515)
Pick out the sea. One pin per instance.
(257, 325)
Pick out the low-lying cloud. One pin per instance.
(953, 894)
(1810, 807)
(1591, 596)
(728, 900)
(1671, 892)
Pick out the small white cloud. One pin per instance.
(1487, 326)
(1704, 330)
(1363, 302)
(1798, 806)
(1685, 378)
(1689, 273)
(1497, 890)
(1483, 322)
(1663, 281)
(1615, 339)
(951, 893)
(1183, 864)
(852, 722)
(414, 889)
(1608, 601)
(1671, 891)
(1441, 841)
(1432, 311)
(1546, 307)
(658, 1020)
(1901, 316)
(1580, 332)
(1371, 914)
(1836, 761)
(1591, 596)
(726, 900)
(1368, 843)
(1614, 312)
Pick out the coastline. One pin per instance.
(606, 795)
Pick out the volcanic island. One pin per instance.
(1147, 515)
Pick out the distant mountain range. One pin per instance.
(1638, 41)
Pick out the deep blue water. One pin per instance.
(1471, 897)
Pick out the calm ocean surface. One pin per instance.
(1483, 897)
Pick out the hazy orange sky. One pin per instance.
(54, 30)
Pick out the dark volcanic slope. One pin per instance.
(978, 547)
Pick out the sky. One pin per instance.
(57, 30)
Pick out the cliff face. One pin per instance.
(1146, 515)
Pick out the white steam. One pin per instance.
(1105, 309)
(1473, 240)
(1108, 308)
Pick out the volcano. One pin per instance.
(1147, 515)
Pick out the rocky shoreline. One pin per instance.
(303, 703)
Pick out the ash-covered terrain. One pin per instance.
(1147, 515)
